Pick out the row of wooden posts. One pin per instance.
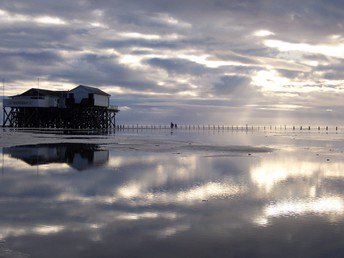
(226, 127)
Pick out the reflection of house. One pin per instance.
(77, 155)
(81, 107)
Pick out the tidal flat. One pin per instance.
(180, 193)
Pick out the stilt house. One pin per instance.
(83, 107)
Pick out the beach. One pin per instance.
(172, 193)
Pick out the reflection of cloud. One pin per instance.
(39, 230)
(20, 166)
(129, 191)
(134, 194)
(198, 193)
(152, 179)
(48, 229)
(170, 231)
(160, 196)
(320, 206)
(147, 215)
(208, 190)
(269, 173)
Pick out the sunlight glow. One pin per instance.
(263, 33)
(206, 61)
(271, 81)
(131, 61)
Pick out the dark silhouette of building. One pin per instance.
(83, 107)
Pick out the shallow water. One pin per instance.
(88, 200)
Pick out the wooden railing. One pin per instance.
(113, 107)
(234, 127)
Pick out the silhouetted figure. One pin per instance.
(172, 125)
(175, 126)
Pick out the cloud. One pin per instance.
(185, 51)
(178, 66)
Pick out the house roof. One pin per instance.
(41, 92)
(92, 90)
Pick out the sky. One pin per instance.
(190, 62)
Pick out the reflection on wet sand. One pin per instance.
(235, 205)
(271, 172)
(299, 184)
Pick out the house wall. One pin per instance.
(81, 93)
(61, 103)
(53, 101)
(101, 100)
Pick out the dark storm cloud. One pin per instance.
(159, 44)
(13, 60)
(333, 71)
(289, 74)
(178, 66)
(103, 70)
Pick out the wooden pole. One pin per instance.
(3, 97)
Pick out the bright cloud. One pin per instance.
(327, 50)
(50, 20)
(263, 33)
(13, 18)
